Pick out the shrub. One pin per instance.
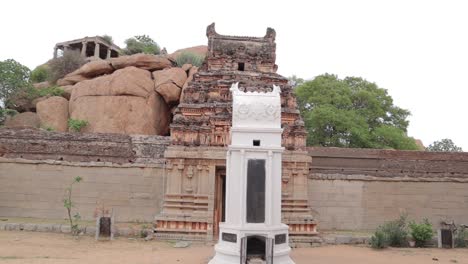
(68, 204)
(191, 58)
(52, 91)
(379, 240)
(141, 44)
(421, 233)
(21, 99)
(460, 237)
(61, 66)
(40, 74)
(396, 232)
(391, 233)
(4, 113)
(76, 124)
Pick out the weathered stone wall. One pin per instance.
(120, 172)
(347, 188)
(34, 144)
(360, 189)
(36, 189)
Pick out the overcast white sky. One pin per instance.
(417, 49)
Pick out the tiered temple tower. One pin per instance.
(200, 133)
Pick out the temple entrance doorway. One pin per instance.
(219, 199)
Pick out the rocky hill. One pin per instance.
(128, 95)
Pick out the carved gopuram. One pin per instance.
(89, 47)
(200, 132)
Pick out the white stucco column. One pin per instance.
(96, 50)
(83, 48)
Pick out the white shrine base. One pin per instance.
(229, 252)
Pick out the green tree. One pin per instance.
(40, 74)
(13, 76)
(444, 145)
(352, 112)
(141, 44)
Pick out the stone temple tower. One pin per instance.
(195, 171)
(252, 231)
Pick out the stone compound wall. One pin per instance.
(348, 189)
(125, 173)
(357, 189)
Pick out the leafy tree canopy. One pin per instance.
(444, 145)
(40, 74)
(141, 44)
(13, 76)
(352, 112)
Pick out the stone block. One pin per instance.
(330, 240)
(65, 229)
(11, 226)
(57, 228)
(45, 227)
(342, 239)
(30, 227)
(90, 230)
(126, 232)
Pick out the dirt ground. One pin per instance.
(46, 248)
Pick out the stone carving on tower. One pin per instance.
(203, 117)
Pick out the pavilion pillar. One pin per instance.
(66, 48)
(83, 48)
(108, 53)
(96, 50)
(55, 52)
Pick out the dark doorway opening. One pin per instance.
(256, 247)
(105, 226)
(240, 66)
(220, 199)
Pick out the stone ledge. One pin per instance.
(363, 177)
(296, 242)
(149, 164)
(65, 229)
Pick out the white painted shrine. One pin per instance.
(252, 231)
